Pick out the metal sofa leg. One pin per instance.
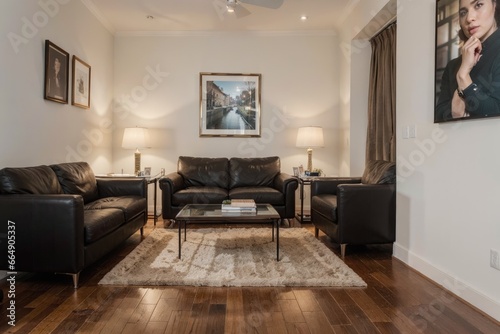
(75, 277)
(168, 223)
(342, 250)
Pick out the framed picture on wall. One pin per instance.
(230, 105)
(80, 96)
(56, 73)
(477, 95)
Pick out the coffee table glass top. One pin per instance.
(213, 211)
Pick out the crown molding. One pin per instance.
(209, 33)
(99, 16)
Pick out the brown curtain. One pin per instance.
(381, 136)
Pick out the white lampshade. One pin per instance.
(310, 136)
(135, 138)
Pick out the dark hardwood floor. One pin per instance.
(397, 300)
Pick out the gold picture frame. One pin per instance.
(80, 96)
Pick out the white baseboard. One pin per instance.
(458, 287)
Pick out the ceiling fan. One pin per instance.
(234, 6)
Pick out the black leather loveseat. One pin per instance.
(61, 219)
(212, 180)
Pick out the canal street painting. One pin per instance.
(229, 105)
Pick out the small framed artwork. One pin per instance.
(296, 171)
(301, 171)
(56, 73)
(80, 96)
(147, 171)
(230, 105)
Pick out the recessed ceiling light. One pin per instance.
(303, 18)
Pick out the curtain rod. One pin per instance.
(390, 23)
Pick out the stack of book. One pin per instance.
(239, 206)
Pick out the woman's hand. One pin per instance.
(471, 53)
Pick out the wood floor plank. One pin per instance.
(275, 323)
(235, 317)
(368, 305)
(139, 319)
(156, 327)
(318, 323)
(291, 310)
(307, 301)
(216, 318)
(163, 310)
(124, 312)
(333, 311)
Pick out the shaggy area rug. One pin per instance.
(232, 257)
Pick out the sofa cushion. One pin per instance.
(77, 178)
(379, 172)
(130, 206)
(98, 223)
(199, 195)
(248, 172)
(29, 180)
(325, 205)
(258, 194)
(211, 172)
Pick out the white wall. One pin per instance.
(299, 87)
(447, 215)
(35, 131)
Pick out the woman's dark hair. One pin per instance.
(461, 34)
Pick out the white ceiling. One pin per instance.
(211, 15)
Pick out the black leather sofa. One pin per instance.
(211, 180)
(357, 210)
(61, 219)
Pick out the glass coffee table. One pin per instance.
(212, 214)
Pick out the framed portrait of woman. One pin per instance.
(56, 73)
(467, 62)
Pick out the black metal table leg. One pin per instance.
(278, 221)
(272, 228)
(180, 236)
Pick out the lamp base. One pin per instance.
(137, 160)
(309, 159)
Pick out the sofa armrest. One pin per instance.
(115, 187)
(329, 185)
(366, 212)
(170, 184)
(48, 230)
(285, 183)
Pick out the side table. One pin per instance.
(151, 180)
(304, 181)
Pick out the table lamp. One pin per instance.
(136, 138)
(309, 137)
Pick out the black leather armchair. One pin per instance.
(357, 210)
